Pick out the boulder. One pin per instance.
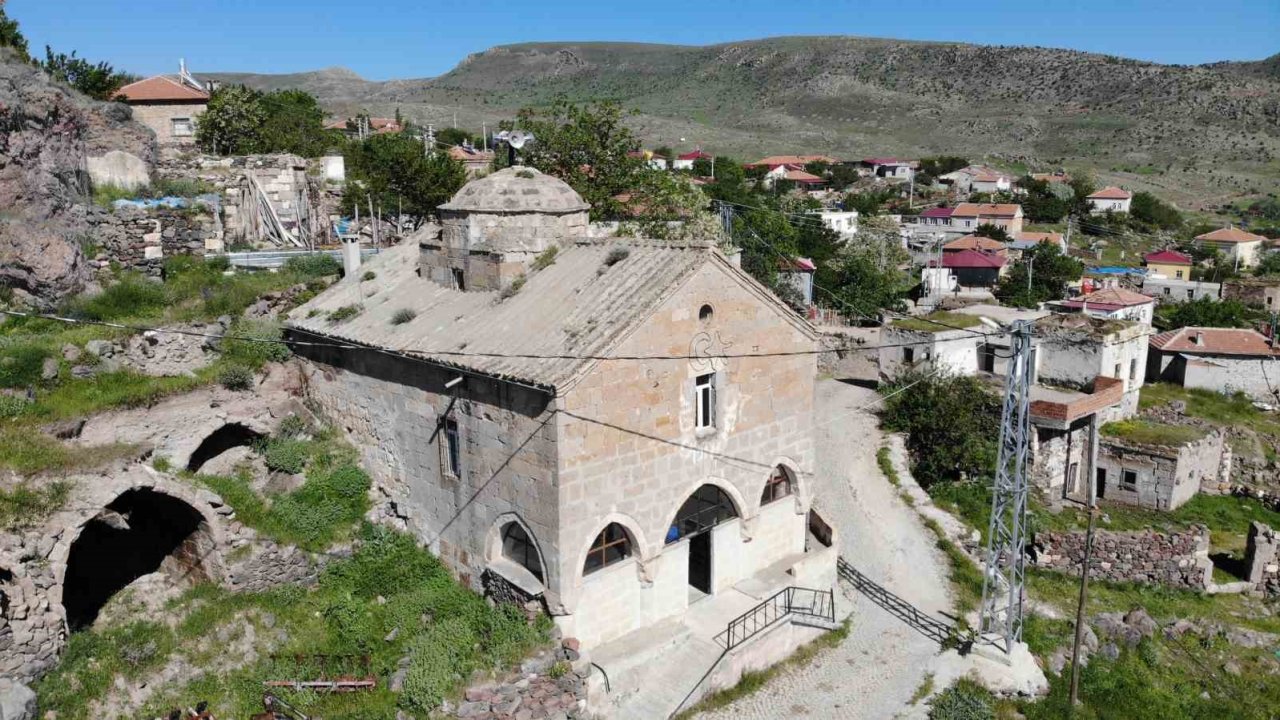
(17, 701)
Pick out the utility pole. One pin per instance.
(430, 138)
(1003, 585)
(484, 136)
(1091, 490)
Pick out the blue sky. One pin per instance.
(417, 38)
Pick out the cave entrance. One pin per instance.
(140, 532)
(219, 441)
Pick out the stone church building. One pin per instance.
(620, 428)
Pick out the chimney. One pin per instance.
(1198, 339)
(351, 255)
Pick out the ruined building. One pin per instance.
(554, 415)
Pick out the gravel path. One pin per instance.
(875, 671)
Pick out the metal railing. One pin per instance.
(807, 602)
(926, 624)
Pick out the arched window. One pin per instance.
(519, 548)
(707, 507)
(778, 486)
(612, 545)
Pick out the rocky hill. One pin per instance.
(855, 96)
(46, 133)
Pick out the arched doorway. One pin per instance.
(707, 507)
(140, 532)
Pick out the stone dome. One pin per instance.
(517, 190)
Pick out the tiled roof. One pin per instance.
(160, 88)
(1214, 341)
(797, 264)
(695, 155)
(987, 209)
(1110, 298)
(1230, 235)
(473, 155)
(938, 212)
(801, 176)
(1111, 193)
(774, 161)
(577, 306)
(972, 259)
(974, 242)
(1167, 257)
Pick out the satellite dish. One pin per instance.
(519, 138)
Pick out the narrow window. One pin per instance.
(181, 127)
(777, 486)
(459, 280)
(1191, 294)
(1133, 369)
(1178, 274)
(705, 401)
(908, 355)
(1129, 480)
(453, 449)
(987, 359)
(612, 545)
(1117, 374)
(1166, 292)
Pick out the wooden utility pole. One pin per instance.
(1092, 495)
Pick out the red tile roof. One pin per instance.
(972, 259)
(797, 264)
(695, 155)
(160, 88)
(1167, 257)
(1230, 235)
(974, 242)
(938, 212)
(1214, 341)
(1111, 193)
(1110, 299)
(774, 161)
(802, 177)
(987, 209)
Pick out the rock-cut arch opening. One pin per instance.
(139, 533)
(219, 441)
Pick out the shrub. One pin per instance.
(346, 312)
(965, 700)
(288, 456)
(12, 406)
(368, 275)
(236, 377)
(293, 426)
(513, 288)
(313, 265)
(162, 464)
(259, 346)
(26, 505)
(221, 263)
(616, 256)
(21, 363)
(402, 316)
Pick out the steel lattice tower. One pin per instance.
(1000, 622)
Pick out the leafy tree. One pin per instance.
(1269, 265)
(702, 167)
(1154, 212)
(842, 176)
(942, 164)
(1082, 186)
(1204, 312)
(97, 80)
(294, 123)
(766, 238)
(1040, 275)
(456, 136)
(393, 171)
(586, 146)
(10, 35)
(868, 203)
(1040, 203)
(232, 122)
(995, 232)
(666, 152)
(729, 171)
(952, 424)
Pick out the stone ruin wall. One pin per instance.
(1262, 560)
(1174, 559)
(141, 240)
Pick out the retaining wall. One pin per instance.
(1175, 559)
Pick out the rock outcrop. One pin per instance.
(47, 132)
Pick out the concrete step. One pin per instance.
(662, 686)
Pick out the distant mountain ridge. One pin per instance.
(854, 96)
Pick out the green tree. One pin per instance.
(587, 146)
(97, 80)
(1154, 212)
(1269, 265)
(942, 164)
(995, 232)
(865, 273)
(870, 202)
(1040, 204)
(1040, 275)
(1205, 312)
(1082, 186)
(703, 167)
(393, 172)
(232, 122)
(766, 238)
(951, 422)
(292, 122)
(456, 136)
(10, 35)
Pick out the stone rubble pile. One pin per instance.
(551, 686)
(1175, 559)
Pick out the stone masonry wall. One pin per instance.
(141, 240)
(1178, 559)
(1262, 558)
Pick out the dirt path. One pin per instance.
(875, 671)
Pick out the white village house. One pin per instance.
(1109, 199)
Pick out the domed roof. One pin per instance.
(517, 190)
